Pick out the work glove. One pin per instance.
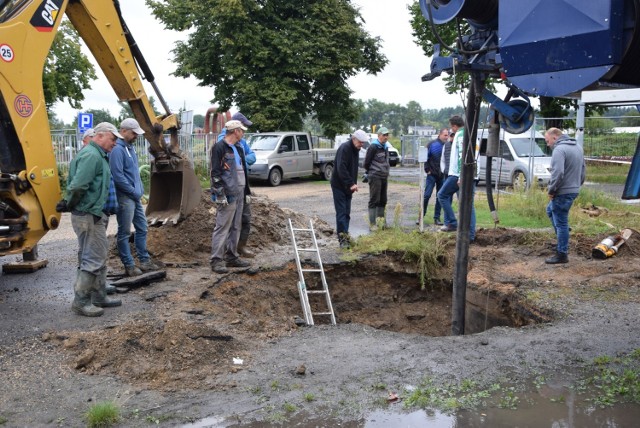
(365, 178)
(62, 207)
(218, 196)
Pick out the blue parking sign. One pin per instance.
(85, 121)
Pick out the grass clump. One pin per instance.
(103, 415)
(449, 397)
(615, 380)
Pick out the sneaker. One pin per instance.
(132, 270)
(448, 228)
(148, 266)
(345, 245)
(238, 262)
(219, 266)
(437, 222)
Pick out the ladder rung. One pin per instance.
(302, 230)
(315, 250)
(316, 292)
(311, 270)
(322, 313)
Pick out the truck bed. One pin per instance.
(324, 155)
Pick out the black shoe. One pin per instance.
(448, 228)
(437, 222)
(237, 262)
(557, 259)
(219, 266)
(345, 245)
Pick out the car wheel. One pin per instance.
(327, 172)
(275, 177)
(519, 181)
(393, 163)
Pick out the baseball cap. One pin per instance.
(382, 130)
(133, 125)
(242, 118)
(107, 127)
(88, 133)
(360, 135)
(234, 124)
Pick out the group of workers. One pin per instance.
(443, 167)
(104, 179)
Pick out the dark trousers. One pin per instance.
(342, 204)
(246, 223)
(377, 192)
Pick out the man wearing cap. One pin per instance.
(87, 135)
(376, 166)
(344, 183)
(126, 177)
(85, 197)
(229, 187)
(250, 158)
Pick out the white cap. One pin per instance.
(133, 125)
(360, 135)
(107, 127)
(234, 124)
(88, 133)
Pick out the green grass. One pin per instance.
(613, 380)
(103, 415)
(607, 173)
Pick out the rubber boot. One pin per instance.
(82, 302)
(372, 219)
(380, 214)
(244, 251)
(99, 294)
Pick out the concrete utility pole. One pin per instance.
(467, 177)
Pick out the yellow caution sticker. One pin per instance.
(48, 173)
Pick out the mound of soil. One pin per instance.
(190, 240)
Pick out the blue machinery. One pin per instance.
(552, 48)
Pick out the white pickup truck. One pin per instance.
(281, 155)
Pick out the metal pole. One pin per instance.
(580, 123)
(467, 178)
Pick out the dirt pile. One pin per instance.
(190, 240)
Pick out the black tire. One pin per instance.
(393, 163)
(327, 172)
(275, 177)
(519, 181)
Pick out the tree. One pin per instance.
(99, 115)
(276, 60)
(67, 71)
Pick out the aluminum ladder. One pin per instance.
(302, 285)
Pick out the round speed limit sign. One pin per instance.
(6, 53)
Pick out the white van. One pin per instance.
(518, 155)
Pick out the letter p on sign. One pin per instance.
(85, 121)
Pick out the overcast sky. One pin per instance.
(398, 83)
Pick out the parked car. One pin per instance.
(282, 155)
(519, 154)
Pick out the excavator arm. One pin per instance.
(29, 183)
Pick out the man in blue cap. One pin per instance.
(250, 159)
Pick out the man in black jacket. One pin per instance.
(344, 182)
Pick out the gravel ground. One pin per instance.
(343, 363)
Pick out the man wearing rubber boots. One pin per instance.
(85, 197)
(229, 187)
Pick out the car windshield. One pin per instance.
(525, 147)
(263, 142)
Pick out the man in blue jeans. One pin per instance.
(435, 176)
(451, 184)
(568, 172)
(123, 161)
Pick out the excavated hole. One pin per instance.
(396, 302)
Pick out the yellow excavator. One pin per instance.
(29, 186)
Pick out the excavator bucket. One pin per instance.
(174, 192)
